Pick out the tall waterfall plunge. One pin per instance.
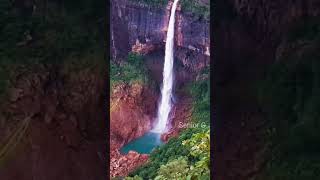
(166, 90)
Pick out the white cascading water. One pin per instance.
(166, 91)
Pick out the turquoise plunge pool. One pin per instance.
(144, 144)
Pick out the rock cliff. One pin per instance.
(132, 109)
(139, 27)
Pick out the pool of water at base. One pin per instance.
(144, 144)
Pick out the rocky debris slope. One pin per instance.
(122, 165)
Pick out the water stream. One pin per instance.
(150, 140)
(166, 90)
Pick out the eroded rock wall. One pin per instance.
(141, 27)
(132, 109)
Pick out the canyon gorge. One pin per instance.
(54, 85)
(141, 28)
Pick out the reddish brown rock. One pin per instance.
(121, 165)
(166, 136)
(131, 111)
(181, 112)
(151, 27)
(143, 48)
(132, 107)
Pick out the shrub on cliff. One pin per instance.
(163, 154)
(175, 169)
(200, 91)
(153, 3)
(131, 71)
(134, 178)
(182, 168)
(197, 8)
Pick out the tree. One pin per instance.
(176, 169)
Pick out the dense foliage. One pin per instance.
(132, 70)
(190, 150)
(153, 3)
(291, 95)
(200, 91)
(197, 8)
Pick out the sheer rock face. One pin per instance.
(131, 113)
(132, 110)
(138, 27)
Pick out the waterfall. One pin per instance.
(166, 90)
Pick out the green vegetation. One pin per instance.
(291, 95)
(175, 169)
(134, 178)
(197, 8)
(200, 91)
(131, 71)
(181, 150)
(153, 3)
(191, 150)
(162, 155)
